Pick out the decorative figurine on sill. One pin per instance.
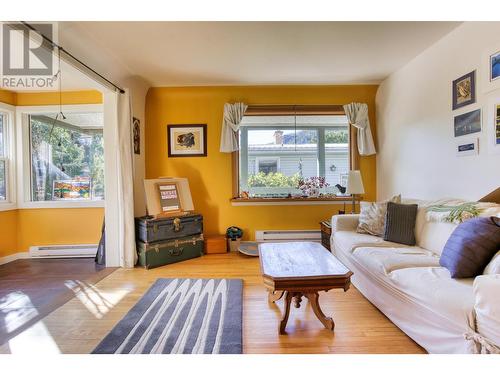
(244, 195)
(342, 189)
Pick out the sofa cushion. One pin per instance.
(387, 259)
(400, 223)
(433, 288)
(493, 267)
(347, 241)
(487, 306)
(372, 216)
(471, 247)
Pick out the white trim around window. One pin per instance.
(23, 156)
(10, 145)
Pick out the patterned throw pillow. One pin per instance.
(372, 216)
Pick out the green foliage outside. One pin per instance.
(336, 136)
(262, 179)
(80, 154)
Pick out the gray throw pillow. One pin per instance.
(471, 247)
(400, 223)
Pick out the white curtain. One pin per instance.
(233, 114)
(357, 114)
(125, 193)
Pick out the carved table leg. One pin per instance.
(327, 322)
(297, 299)
(273, 296)
(286, 313)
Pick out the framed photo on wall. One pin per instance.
(467, 123)
(464, 90)
(187, 140)
(468, 147)
(490, 69)
(493, 124)
(494, 66)
(137, 135)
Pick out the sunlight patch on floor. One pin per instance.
(16, 310)
(36, 339)
(97, 302)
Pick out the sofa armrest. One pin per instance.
(347, 222)
(487, 307)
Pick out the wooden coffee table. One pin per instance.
(301, 269)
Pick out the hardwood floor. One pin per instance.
(79, 325)
(33, 288)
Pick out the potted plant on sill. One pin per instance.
(311, 186)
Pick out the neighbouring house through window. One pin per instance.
(66, 157)
(277, 151)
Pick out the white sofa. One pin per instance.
(441, 314)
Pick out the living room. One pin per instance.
(187, 185)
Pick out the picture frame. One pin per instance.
(493, 125)
(467, 123)
(494, 66)
(137, 135)
(169, 197)
(187, 140)
(467, 147)
(464, 90)
(490, 69)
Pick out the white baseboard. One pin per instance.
(13, 257)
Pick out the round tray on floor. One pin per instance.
(250, 248)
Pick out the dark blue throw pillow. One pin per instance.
(471, 247)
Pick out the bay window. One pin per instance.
(66, 157)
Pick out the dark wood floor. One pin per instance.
(32, 288)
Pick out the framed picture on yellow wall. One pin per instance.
(187, 140)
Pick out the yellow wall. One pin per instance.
(58, 226)
(210, 177)
(8, 232)
(23, 228)
(52, 98)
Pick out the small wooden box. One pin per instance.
(215, 245)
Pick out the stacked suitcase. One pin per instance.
(166, 240)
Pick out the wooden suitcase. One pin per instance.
(158, 254)
(151, 230)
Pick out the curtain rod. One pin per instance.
(99, 77)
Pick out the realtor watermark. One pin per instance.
(27, 61)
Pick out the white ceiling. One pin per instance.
(233, 53)
(244, 53)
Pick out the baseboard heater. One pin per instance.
(287, 235)
(63, 251)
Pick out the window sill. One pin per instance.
(61, 204)
(289, 201)
(7, 206)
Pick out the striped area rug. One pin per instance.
(181, 316)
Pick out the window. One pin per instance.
(3, 157)
(278, 151)
(66, 157)
(267, 165)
